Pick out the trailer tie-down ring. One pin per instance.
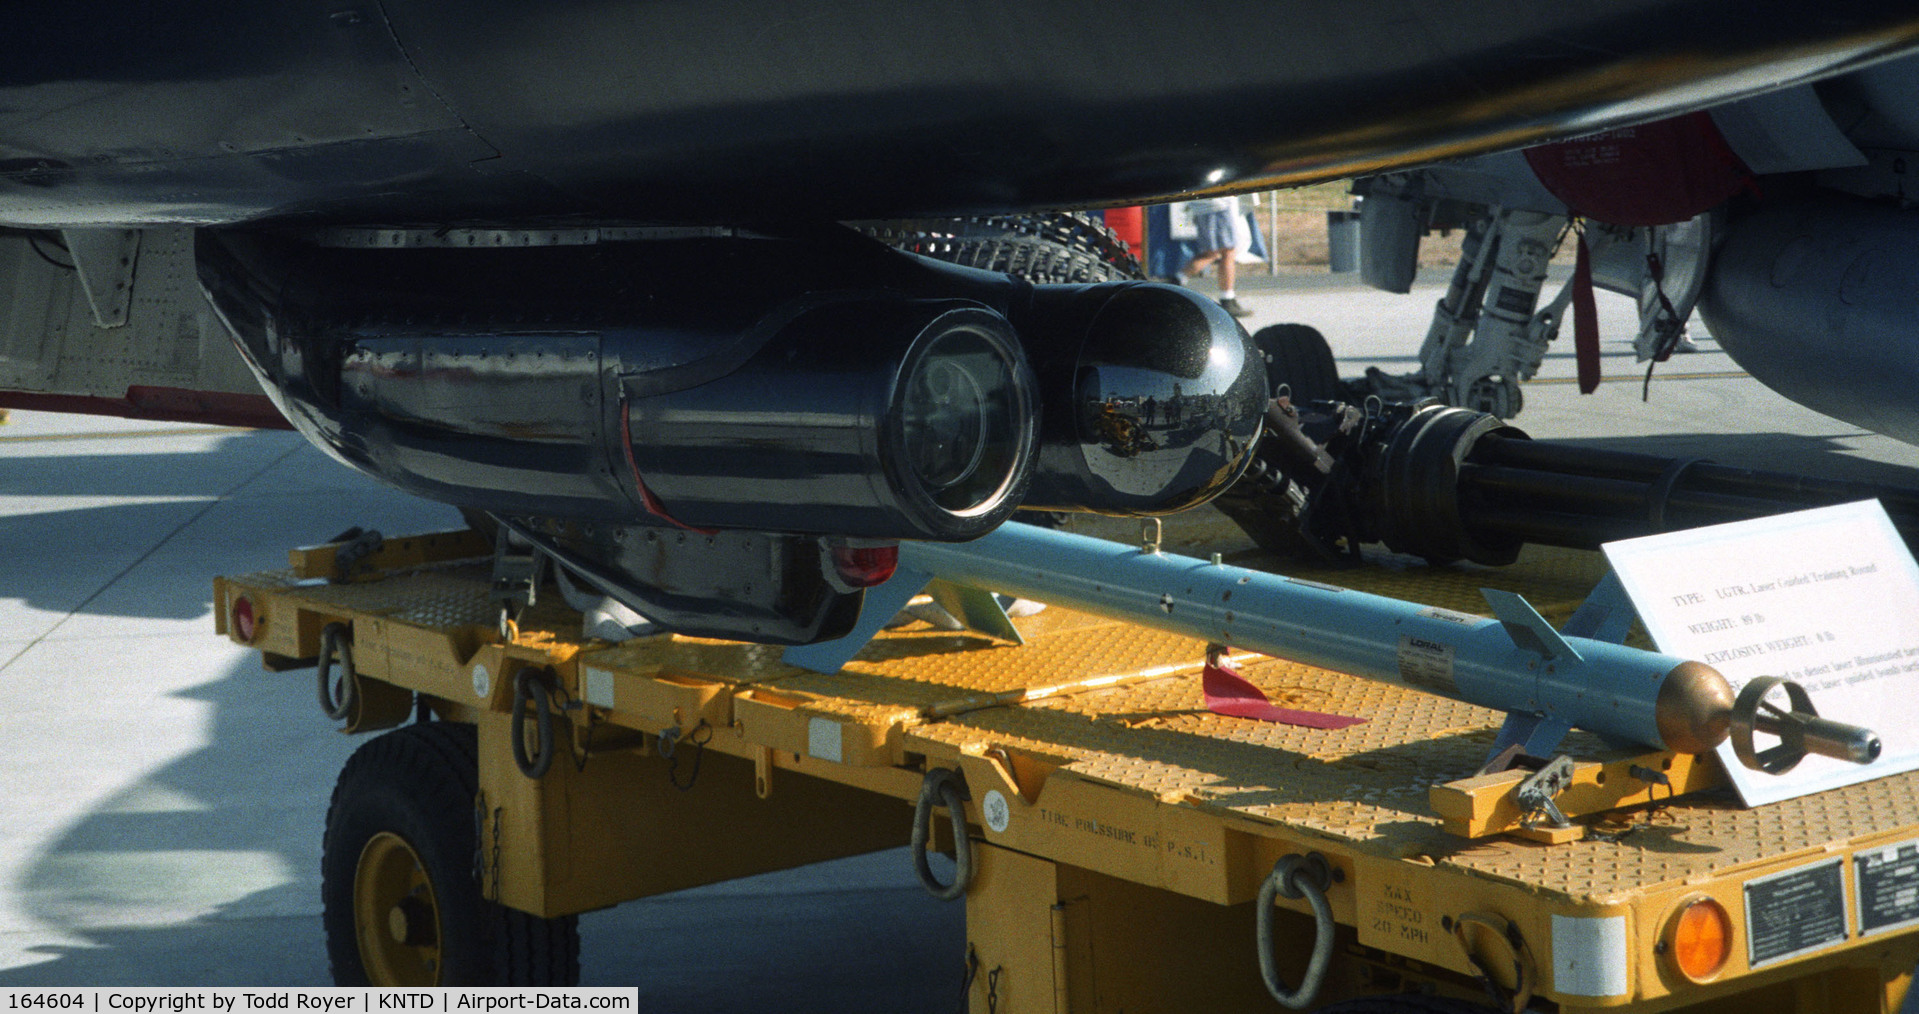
(1297, 876)
(528, 686)
(337, 640)
(1525, 971)
(943, 786)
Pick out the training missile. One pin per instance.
(1546, 681)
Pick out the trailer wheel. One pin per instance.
(1298, 356)
(401, 902)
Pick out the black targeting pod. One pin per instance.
(890, 418)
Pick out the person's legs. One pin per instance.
(1199, 264)
(1215, 240)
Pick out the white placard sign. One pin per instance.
(1827, 598)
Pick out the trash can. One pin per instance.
(1342, 240)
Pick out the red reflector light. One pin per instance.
(243, 621)
(865, 566)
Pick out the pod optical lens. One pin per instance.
(964, 420)
(945, 420)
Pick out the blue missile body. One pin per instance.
(1546, 681)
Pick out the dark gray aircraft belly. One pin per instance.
(734, 110)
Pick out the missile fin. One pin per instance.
(1534, 735)
(1528, 629)
(980, 610)
(1606, 615)
(881, 605)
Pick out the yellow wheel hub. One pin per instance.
(395, 916)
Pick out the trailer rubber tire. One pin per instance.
(1406, 1003)
(1297, 355)
(401, 904)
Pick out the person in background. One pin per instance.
(1213, 216)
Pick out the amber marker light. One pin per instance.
(1701, 939)
(244, 624)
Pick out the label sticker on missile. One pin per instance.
(1453, 616)
(1888, 888)
(1426, 664)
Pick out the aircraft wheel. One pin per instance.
(1298, 357)
(401, 903)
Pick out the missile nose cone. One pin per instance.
(1694, 708)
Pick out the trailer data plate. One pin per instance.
(1795, 912)
(1888, 886)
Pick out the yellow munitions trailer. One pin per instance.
(1125, 849)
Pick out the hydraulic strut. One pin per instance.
(1452, 484)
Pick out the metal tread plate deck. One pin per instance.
(1365, 786)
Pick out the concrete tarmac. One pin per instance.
(164, 797)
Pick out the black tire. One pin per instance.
(1298, 357)
(1406, 1003)
(1063, 247)
(405, 799)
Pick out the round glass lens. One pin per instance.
(961, 419)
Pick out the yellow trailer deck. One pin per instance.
(1119, 833)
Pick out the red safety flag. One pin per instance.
(1585, 322)
(1228, 693)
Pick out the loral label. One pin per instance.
(1427, 664)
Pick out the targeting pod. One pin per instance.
(885, 418)
(815, 385)
(637, 401)
(1800, 730)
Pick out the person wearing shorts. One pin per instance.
(1213, 217)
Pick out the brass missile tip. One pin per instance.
(1694, 708)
